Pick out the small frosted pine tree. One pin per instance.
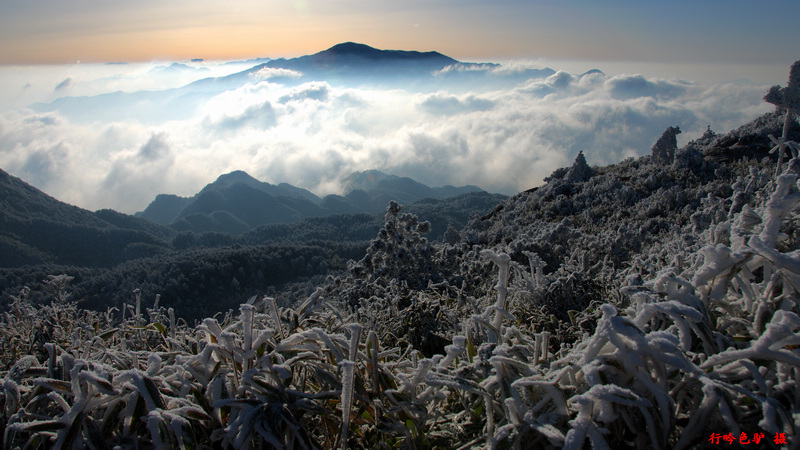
(663, 152)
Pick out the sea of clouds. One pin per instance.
(114, 136)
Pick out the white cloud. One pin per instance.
(308, 91)
(443, 103)
(633, 86)
(266, 73)
(498, 137)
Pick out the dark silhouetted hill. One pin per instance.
(35, 228)
(237, 202)
(357, 59)
(236, 209)
(373, 190)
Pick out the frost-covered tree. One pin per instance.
(663, 152)
(787, 100)
(580, 170)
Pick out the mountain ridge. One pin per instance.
(347, 64)
(37, 228)
(351, 63)
(350, 59)
(240, 200)
(352, 53)
(239, 176)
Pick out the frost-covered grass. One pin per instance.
(552, 323)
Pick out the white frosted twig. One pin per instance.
(348, 373)
(503, 261)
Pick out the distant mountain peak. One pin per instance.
(229, 179)
(592, 72)
(355, 58)
(352, 47)
(237, 176)
(367, 52)
(252, 202)
(369, 176)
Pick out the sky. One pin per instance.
(689, 63)
(741, 32)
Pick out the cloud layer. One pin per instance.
(503, 137)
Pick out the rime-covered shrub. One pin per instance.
(399, 253)
(663, 152)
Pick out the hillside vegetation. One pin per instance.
(647, 304)
(204, 263)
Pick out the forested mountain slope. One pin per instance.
(109, 255)
(36, 228)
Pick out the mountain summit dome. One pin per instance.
(367, 52)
